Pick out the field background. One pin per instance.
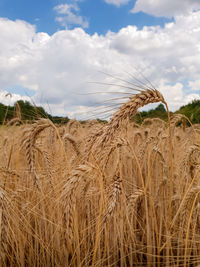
(72, 196)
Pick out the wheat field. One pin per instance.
(93, 194)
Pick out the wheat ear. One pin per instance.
(133, 199)
(14, 121)
(192, 196)
(108, 132)
(28, 142)
(76, 179)
(114, 194)
(130, 108)
(73, 141)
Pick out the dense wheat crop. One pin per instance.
(115, 194)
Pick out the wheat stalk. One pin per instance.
(3, 227)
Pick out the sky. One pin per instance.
(71, 56)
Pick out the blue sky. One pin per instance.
(51, 49)
(100, 15)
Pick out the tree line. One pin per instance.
(191, 111)
(24, 111)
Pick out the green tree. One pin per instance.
(191, 110)
(158, 112)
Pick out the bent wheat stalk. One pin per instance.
(108, 132)
(130, 108)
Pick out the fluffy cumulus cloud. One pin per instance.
(58, 68)
(166, 8)
(117, 2)
(68, 14)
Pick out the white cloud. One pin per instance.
(194, 85)
(9, 99)
(166, 8)
(117, 2)
(58, 67)
(69, 15)
(66, 8)
(173, 94)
